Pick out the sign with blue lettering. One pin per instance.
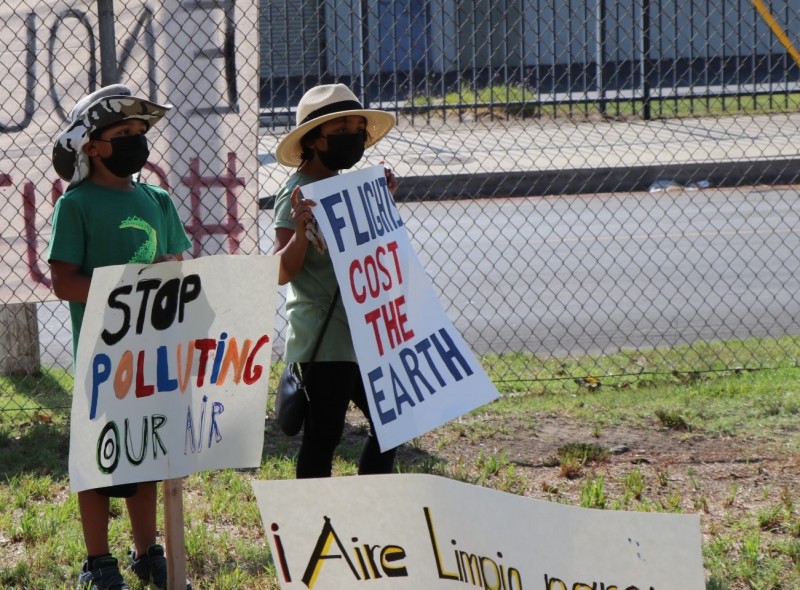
(422, 531)
(171, 370)
(417, 370)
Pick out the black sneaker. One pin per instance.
(151, 568)
(104, 575)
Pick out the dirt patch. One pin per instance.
(723, 479)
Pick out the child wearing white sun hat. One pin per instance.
(322, 104)
(332, 133)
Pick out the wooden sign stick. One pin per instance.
(173, 534)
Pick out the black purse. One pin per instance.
(291, 397)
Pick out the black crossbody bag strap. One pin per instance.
(324, 326)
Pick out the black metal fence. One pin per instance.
(578, 178)
(409, 54)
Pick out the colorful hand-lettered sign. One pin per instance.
(171, 370)
(417, 370)
(427, 532)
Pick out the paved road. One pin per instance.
(560, 275)
(572, 274)
(578, 274)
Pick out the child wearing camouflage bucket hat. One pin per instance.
(107, 218)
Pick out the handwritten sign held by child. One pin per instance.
(171, 370)
(417, 370)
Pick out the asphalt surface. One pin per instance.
(490, 158)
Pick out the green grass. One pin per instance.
(757, 548)
(516, 100)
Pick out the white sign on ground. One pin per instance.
(417, 370)
(172, 368)
(428, 532)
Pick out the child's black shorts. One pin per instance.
(125, 490)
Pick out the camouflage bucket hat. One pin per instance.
(104, 107)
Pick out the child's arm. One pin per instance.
(68, 282)
(70, 285)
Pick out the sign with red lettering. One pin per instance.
(417, 370)
(172, 368)
(422, 531)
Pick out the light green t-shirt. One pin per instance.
(309, 296)
(95, 226)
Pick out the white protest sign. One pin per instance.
(172, 368)
(417, 370)
(428, 532)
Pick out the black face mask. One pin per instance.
(128, 155)
(344, 150)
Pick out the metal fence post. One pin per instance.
(364, 53)
(108, 52)
(601, 55)
(646, 66)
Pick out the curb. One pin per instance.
(596, 180)
(589, 181)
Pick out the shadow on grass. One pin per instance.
(409, 458)
(34, 424)
(48, 391)
(38, 449)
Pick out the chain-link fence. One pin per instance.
(578, 178)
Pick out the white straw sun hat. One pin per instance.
(323, 103)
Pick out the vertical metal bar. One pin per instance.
(586, 36)
(538, 63)
(505, 48)
(675, 66)
(553, 24)
(646, 59)
(443, 52)
(519, 27)
(108, 42)
(723, 46)
(522, 55)
(490, 57)
(364, 54)
(632, 75)
(395, 66)
(618, 84)
(690, 57)
(783, 64)
(426, 65)
(740, 57)
(706, 68)
(601, 55)
(570, 59)
(754, 53)
(474, 33)
(322, 40)
(459, 65)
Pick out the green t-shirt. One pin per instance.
(95, 226)
(309, 296)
